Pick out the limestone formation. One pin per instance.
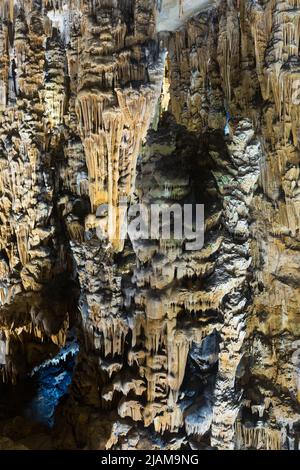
(105, 104)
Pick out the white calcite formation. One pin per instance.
(156, 102)
(173, 14)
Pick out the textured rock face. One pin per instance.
(172, 14)
(178, 348)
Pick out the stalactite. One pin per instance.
(132, 409)
(170, 421)
(22, 241)
(181, 9)
(79, 87)
(256, 437)
(178, 349)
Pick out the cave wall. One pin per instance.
(237, 66)
(178, 348)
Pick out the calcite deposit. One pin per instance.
(105, 104)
